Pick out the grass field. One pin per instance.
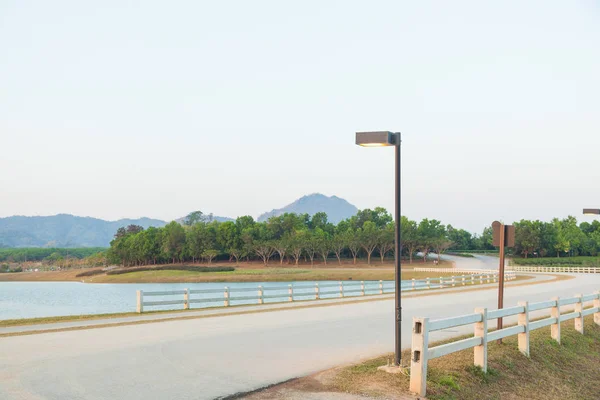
(245, 272)
(554, 372)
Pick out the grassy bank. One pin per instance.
(245, 272)
(554, 372)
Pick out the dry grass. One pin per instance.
(245, 272)
(554, 372)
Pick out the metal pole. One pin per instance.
(501, 277)
(398, 322)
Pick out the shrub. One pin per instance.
(467, 255)
(171, 268)
(559, 262)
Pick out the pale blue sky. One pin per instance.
(121, 109)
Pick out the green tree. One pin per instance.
(386, 238)
(322, 244)
(193, 218)
(527, 237)
(369, 238)
(174, 241)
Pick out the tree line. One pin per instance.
(288, 238)
(557, 238)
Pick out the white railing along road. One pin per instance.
(290, 293)
(421, 353)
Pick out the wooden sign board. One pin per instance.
(509, 234)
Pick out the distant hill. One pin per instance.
(63, 230)
(336, 209)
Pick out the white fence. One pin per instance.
(421, 353)
(577, 270)
(458, 270)
(272, 294)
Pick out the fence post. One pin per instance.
(494, 277)
(463, 281)
(226, 297)
(480, 279)
(523, 320)
(413, 284)
(441, 282)
(186, 299)
(428, 283)
(596, 305)
(260, 295)
(555, 313)
(472, 279)
(481, 331)
(362, 288)
(140, 301)
(380, 287)
(290, 293)
(453, 281)
(579, 309)
(341, 289)
(316, 291)
(418, 362)
(488, 278)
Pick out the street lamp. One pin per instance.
(382, 139)
(591, 211)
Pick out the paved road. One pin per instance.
(476, 262)
(211, 357)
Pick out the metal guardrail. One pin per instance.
(421, 353)
(576, 270)
(301, 291)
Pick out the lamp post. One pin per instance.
(382, 139)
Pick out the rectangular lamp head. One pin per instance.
(591, 211)
(376, 139)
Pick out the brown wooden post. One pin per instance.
(501, 278)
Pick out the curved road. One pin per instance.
(476, 262)
(219, 356)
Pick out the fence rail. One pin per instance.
(421, 353)
(307, 292)
(459, 270)
(576, 270)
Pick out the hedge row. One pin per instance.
(171, 268)
(466, 255)
(90, 273)
(558, 262)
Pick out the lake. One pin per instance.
(49, 299)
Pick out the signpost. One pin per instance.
(503, 236)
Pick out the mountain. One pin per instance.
(63, 230)
(336, 209)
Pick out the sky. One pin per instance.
(118, 109)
